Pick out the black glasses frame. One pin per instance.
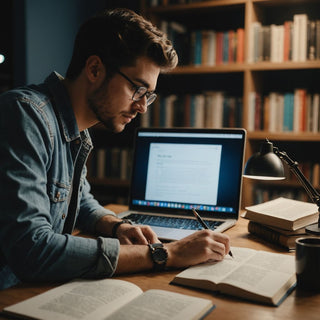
(140, 91)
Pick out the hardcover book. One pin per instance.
(283, 213)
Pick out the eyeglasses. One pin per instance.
(140, 91)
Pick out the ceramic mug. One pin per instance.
(308, 264)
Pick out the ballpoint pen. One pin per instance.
(204, 225)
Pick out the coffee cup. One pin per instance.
(308, 264)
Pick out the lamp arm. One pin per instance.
(293, 165)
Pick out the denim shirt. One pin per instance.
(42, 157)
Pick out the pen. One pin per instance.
(204, 225)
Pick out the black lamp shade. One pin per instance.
(264, 165)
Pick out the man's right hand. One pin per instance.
(201, 246)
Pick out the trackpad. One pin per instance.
(171, 233)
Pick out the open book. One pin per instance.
(109, 299)
(283, 213)
(261, 276)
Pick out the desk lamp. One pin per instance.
(267, 165)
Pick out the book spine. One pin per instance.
(269, 235)
(240, 45)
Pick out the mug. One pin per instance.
(308, 264)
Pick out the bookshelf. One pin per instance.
(261, 76)
(240, 78)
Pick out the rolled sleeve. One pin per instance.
(108, 256)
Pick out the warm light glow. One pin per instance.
(263, 177)
(2, 58)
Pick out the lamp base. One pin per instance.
(313, 229)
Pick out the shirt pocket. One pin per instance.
(59, 199)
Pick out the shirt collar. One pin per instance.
(63, 108)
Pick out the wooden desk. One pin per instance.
(296, 306)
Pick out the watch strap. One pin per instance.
(117, 225)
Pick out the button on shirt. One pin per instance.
(43, 157)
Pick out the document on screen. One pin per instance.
(183, 173)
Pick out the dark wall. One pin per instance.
(6, 35)
(44, 31)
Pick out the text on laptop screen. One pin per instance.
(176, 169)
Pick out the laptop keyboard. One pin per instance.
(169, 222)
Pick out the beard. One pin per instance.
(97, 104)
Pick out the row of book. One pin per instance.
(113, 162)
(281, 220)
(296, 111)
(208, 110)
(296, 40)
(205, 47)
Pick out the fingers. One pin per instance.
(199, 247)
(224, 239)
(130, 234)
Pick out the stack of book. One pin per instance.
(281, 221)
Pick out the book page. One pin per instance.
(259, 272)
(287, 209)
(81, 299)
(217, 271)
(264, 273)
(163, 305)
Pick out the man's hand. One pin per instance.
(126, 233)
(131, 234)
(202, 246)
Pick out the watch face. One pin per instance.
(160, 255)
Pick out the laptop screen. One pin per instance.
(176, 169)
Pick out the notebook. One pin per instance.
(177, 169)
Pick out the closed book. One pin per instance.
(275, 235)
(240, 45)
(198, 48)
(288, 112)
(219, 48)
(287, 40)
(283, 213)
(205, 47)
(311, 40)
(211, 48)
(317, 39)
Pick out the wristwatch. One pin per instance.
(159, 255)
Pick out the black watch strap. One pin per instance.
(117, 225)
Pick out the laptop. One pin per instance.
(177, 169)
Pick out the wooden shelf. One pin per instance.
(265, 66)
(242, 67)
(284, 136)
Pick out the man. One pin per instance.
(44, 144)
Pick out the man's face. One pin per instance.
(112, 102)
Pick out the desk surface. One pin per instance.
(296, 306)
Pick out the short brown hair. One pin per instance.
(119, 37)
